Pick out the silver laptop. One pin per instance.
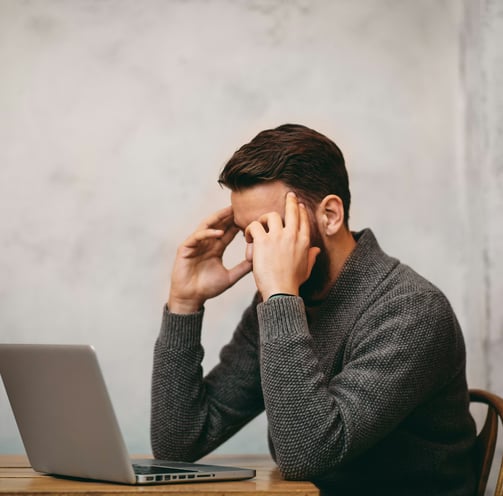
(68, 425)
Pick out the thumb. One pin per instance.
(239, 271)
(249, 252)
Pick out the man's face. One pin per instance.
(251, 203)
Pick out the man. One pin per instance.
(358, 361)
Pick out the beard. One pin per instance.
(314, 287)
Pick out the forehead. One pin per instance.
(251, 203)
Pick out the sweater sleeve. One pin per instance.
(399, 353)
(192, 415)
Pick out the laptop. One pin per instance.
(68, 426)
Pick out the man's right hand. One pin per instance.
(199, 273)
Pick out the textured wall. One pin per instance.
(482, 73)
(482, 54)
(117, 116)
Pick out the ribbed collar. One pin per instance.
(365, 268)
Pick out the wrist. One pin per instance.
(183, 307)
(279, 292)
(276, 295)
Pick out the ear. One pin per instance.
(330, 215)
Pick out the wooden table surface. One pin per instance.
(17, 478)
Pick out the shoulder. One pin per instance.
(396, 290)
(410, 314)
(376, 289)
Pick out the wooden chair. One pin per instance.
(486, 439)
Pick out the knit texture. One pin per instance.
(365, 394)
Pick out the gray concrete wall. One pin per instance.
(482, 45)
(482, 75)
(117, 116)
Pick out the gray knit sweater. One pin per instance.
(366, 395)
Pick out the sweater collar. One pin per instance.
(365, 268)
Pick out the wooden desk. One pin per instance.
(17, 478)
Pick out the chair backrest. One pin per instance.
(486, 439)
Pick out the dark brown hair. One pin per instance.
(305, 160)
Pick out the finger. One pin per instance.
(219, 219)
(239, 271)
(212, 227)
(304, 224)
(224, 235)
(253, 231)
(249, 252)
(229, 234)
(202, 235)
(271, 221)
(291, 211)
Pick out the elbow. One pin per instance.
(167, 445)
(309, 462)
(163, 449)
(298, 467)
(163, 452)
(157, 452)
(160, 450)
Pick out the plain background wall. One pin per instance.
(116, 117)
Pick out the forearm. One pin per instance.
(305, 423)
(321, 413)
(178, 406)
(194, 415)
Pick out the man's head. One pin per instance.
(293, 158)
(304, 160)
